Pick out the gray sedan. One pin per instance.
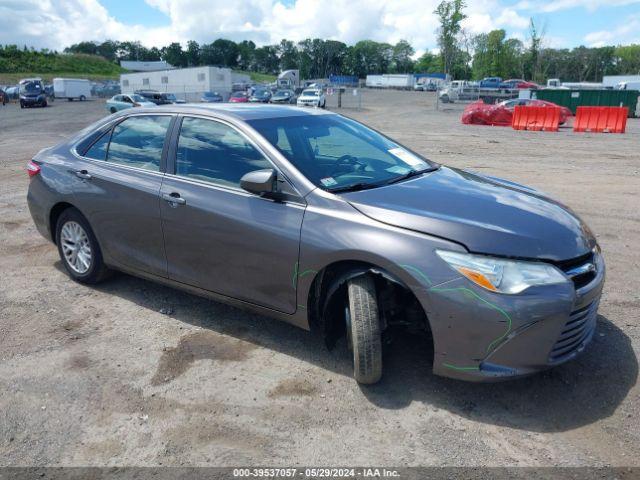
(322, 222)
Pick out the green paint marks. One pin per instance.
(472, 294)
(455, 367)
(297, 275)
(302, 306)
(418, 272)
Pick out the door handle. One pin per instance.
(83, 174)
(174, 198)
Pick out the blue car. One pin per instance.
(211, 97)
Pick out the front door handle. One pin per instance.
(83, 174)
(174, 198)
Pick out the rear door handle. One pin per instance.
(174, 198)
(83, 174)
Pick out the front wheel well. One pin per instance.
(397, 304)
(54, 215)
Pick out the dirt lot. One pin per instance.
(132, 373)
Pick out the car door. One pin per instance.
(219, 237)
(119, 179)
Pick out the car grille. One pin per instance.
(576, 332)
(581, 270)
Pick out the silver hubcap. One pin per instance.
(76, 247)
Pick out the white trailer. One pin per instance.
(72, 88)
(400, 81)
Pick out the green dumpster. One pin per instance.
(573, 99)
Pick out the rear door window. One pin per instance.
(98, 150)
(138, 141)
(214, 152)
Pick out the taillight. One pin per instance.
(33, 168)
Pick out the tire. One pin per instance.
(21, 105)
(82, 98)
(96, 271)
(113, 110)
(44, 104)
(69, 99)
(363, 330)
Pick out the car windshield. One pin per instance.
(310, 93)
(260, 93)
(239, 95)
(339, 154)
(137, 98)
(283, 93)
(31, 87)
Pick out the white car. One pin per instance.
(312, 97)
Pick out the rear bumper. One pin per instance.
(480, 336)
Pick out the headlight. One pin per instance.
(503, 276)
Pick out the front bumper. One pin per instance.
(29, 101)
(482, 336)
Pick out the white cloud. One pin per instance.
(624, 34)
(59, 23)
(557, 5)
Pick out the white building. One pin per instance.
(185, 83)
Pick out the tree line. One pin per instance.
(461, 54)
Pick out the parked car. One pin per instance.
(32, 93)
(12, 92)
(328, 225)
(171, 97)
(260, 95)
(239, 97)
(122, 101)
(565, 113)
(153, 96)
(312, 97)
(517, 84)
(3, 97)
(211, 97)
(491, 82)
(284, 96)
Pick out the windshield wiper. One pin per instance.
(412, 173)
(354, 187)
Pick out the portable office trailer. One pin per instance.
(185, 83)
(72, 88)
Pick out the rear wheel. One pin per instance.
(79, 249)
(364, 335)
(82, 98)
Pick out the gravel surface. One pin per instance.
(133, 373)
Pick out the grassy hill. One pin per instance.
(16, 64)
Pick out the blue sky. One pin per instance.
(58, 23)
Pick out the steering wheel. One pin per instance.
(347, 163)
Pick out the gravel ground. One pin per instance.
(133, 373)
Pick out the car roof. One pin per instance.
(239, 111)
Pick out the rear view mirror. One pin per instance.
(259, 182)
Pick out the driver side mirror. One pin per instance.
(260, 182)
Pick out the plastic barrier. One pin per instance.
(526, 117)
(601, 119)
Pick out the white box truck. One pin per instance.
(72, 88)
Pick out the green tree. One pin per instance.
(402, 54)
(450, 16)
(174, 55)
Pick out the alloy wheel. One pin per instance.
(76, 247)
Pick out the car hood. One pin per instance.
(486, 215)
